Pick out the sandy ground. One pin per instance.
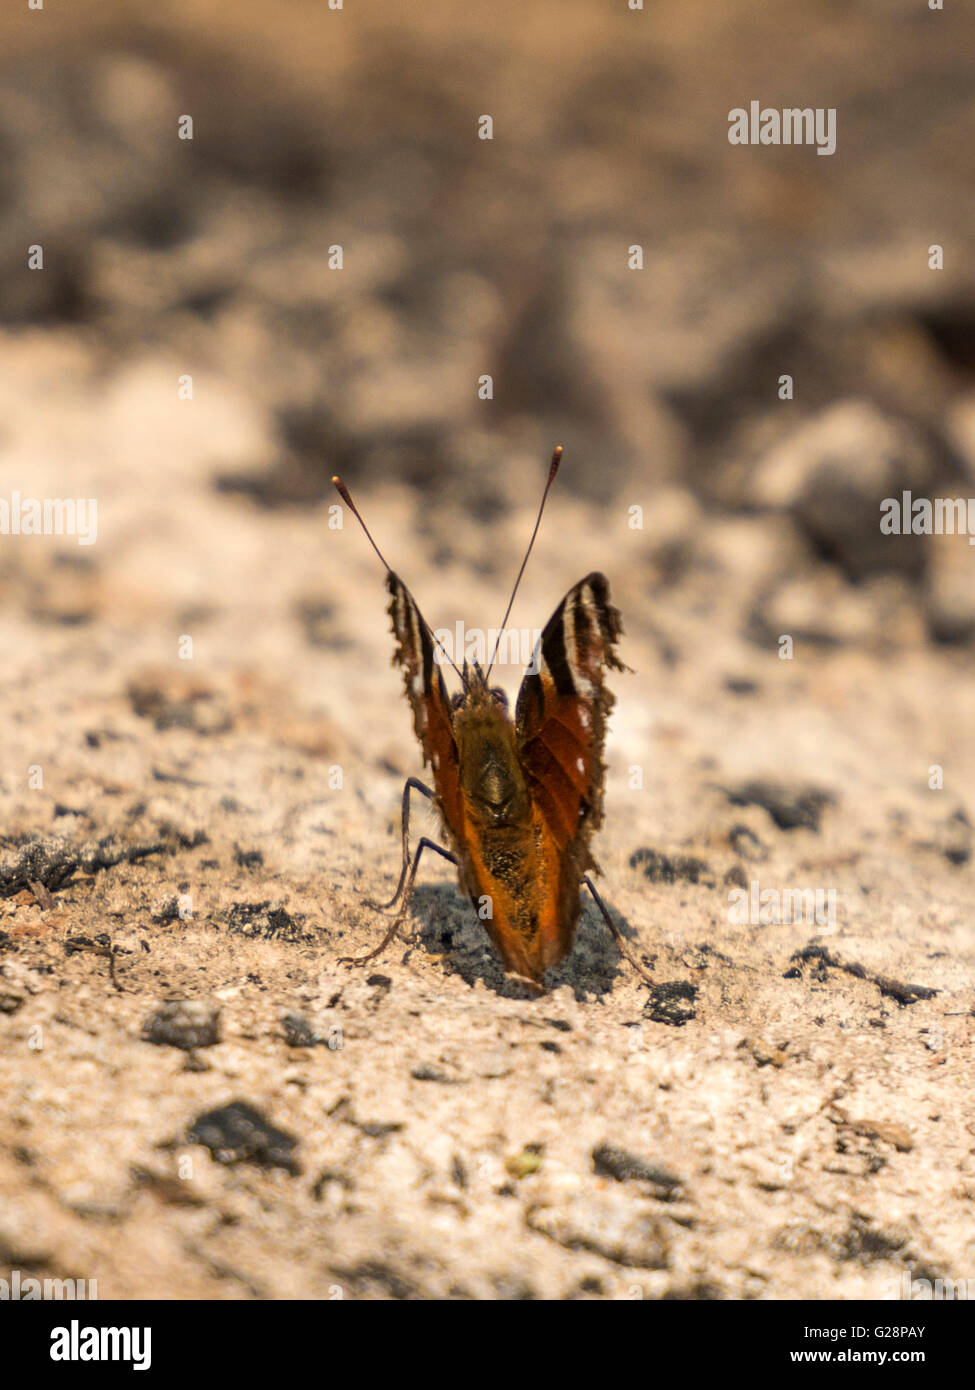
(203, 741)
(807, 1130)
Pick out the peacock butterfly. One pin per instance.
(519, 799)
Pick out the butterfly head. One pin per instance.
(476, 690)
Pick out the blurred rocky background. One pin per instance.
(461, 257)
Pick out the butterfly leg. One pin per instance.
(423, 844)
(411, 784)
(618, 937)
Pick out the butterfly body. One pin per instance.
(519, 799)
(508, 861)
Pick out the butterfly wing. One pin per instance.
(561, 717)
(427, 695)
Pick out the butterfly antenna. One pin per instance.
(346, 497)
(553, 469)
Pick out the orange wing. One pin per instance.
(562, 711)
(427, 694)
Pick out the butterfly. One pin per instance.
(518, 798)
